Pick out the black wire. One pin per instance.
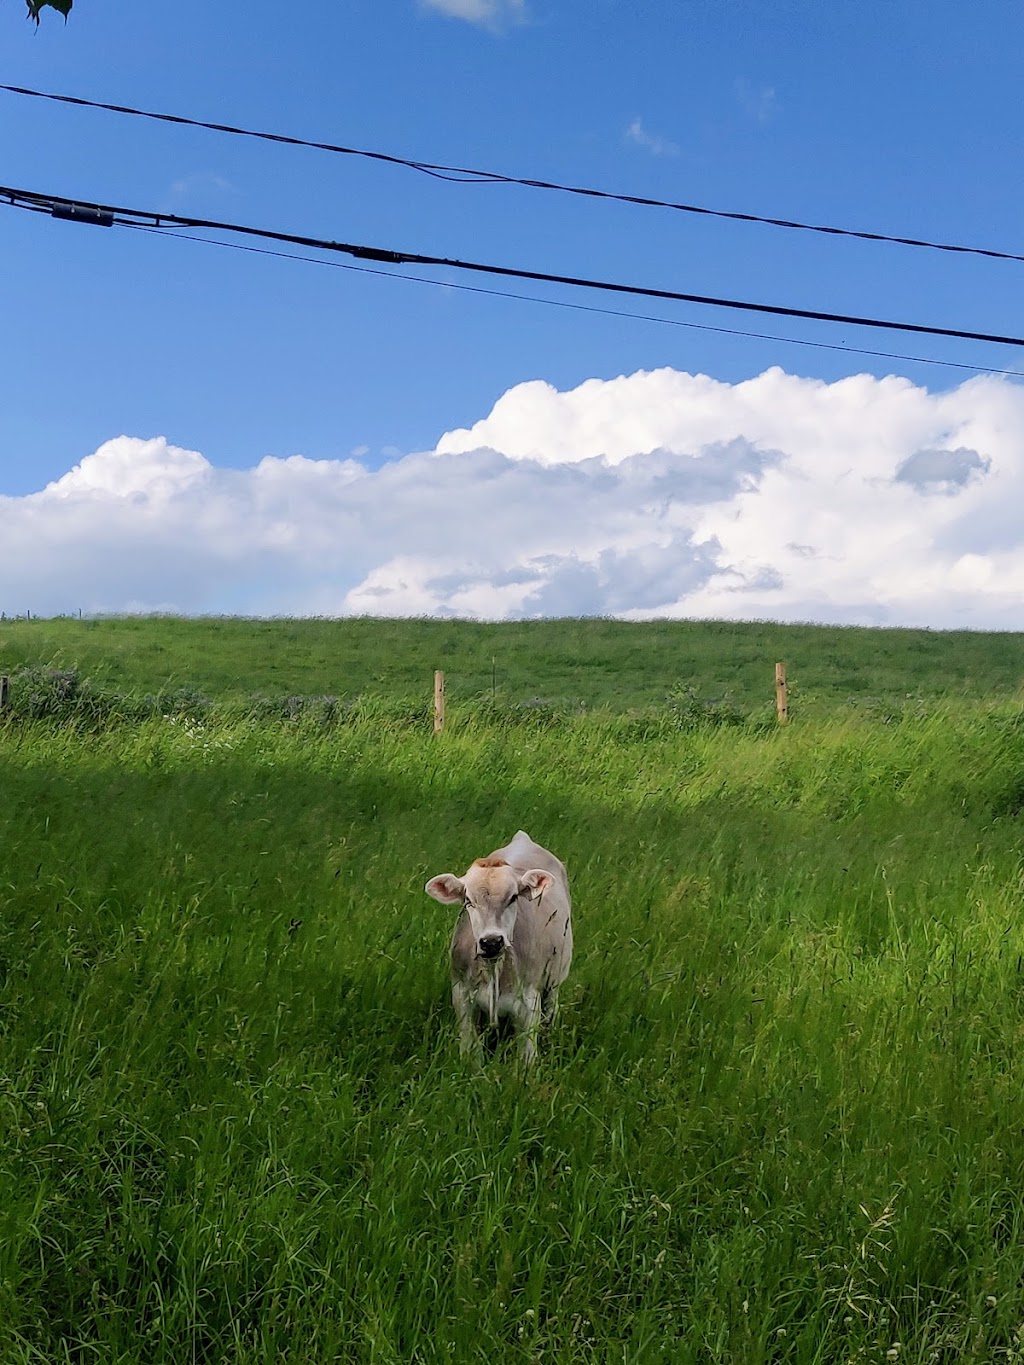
(61, 206)
(468, 176)
(577, 307)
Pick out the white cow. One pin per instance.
(512, 945)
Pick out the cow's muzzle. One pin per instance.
(491, 946)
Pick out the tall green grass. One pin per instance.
(780, 1117)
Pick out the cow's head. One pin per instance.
(490, 892)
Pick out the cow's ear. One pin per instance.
(446, 888)
(534, 882)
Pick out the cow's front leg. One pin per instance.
(470, 1042)
(528, 1022)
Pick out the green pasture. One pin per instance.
(780, 1118)
(617, 665)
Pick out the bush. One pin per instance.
(188, 703)
(57, 694)
(323, 712)
(692, 712)
(62, 696)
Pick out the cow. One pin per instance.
(512, 944)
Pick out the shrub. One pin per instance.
(693, 712)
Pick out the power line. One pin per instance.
(578, 307)
(470, 176)
(106, 215)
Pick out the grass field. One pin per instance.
(616, 665)
(781, 1117)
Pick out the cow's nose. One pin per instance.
(491, 945)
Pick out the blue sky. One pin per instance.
(900, 119)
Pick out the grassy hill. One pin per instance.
(598, 663)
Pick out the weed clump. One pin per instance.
(185, 703)
(690, 711)
(321, 712)
(61, 696)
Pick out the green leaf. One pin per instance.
(35, 7)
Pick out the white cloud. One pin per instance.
(202, 180)
(489, 13)
(655, 144)
(756, 100)
(864, 500)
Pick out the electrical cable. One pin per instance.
(105, 215)
(468, 176)
(578, 307)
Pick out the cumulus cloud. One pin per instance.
(658, 493)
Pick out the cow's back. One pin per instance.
(523, 853)
(543, 933)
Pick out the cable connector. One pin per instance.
(80, 213)
(372, 253)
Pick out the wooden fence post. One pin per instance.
(438, 701)
(781, 694)
(4, 690)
